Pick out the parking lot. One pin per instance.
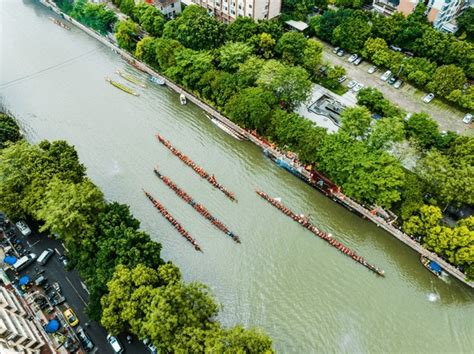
(71, 287)
(407, 97)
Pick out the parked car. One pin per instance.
(352, 58)
(150, 346)
(358, 87)
(398, 84)
(357, 61)
(340, 53)
(395, 48)
(24, 229)
(428, 98)
(392, 80)
(372, 69)
(40, 280)
(352, 83)
(467, 118)
(385, 75)
(115, 344)
(24, 262)
(64, 260)
(335, 50)
(71, 317)
(85, 340)
(342, 79)
(45, 256)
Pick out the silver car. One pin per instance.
(398, 84)
(467, 118)
(357, 61)
(352, 58)
(24, 229)
(428, 98)
(358, 87)
(352, 84)
(386, 75)
(372, 69)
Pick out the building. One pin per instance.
(442, 13)
(18, 332)
(229, 10)
(169, 8)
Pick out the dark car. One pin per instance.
(86, 341)
(392, 80)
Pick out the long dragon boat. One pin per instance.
(323, 235)
(198, 207)
(199, 170)
(121, 87)
(131, 78)
(172, 221)
(59, 23)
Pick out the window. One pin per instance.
(232, 12)
(250, 6)
(172, 5)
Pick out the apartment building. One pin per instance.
(229, 10)
(442, 13)
(169, 8)
(18, 333)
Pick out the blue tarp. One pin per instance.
(435, 267)
(52, 326)
(10, 260)
(24, 280)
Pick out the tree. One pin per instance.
(127, 6)
(190, 67)
(241, 29)
(263, 44)
(356, 121)
(333, 74)
(9, 130)
(291, 47)
(388, 27)
(150, 19)
(96, 16)
(251, 108)
(126, 33)
(386, 132)
(377, 51)
(446, 79)
(289, 84)
(289, 128)
(195, 29)
(273, 27)
(312, 56)
(218, 87)
(374, 100)
(250, 70)
(70, 209)
(465, 24)
(166, 51)
(239, 340)
(232, 54)
(427, 218)
(423, 129)
(146, 51)
(352, 33)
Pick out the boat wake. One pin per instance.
(432, 297)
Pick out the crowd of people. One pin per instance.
(198, 207)
(199, 170)
(304, 221)
(173, 221)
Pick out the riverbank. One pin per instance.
(311, 177)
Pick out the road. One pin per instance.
(407, 97)
(73, 289)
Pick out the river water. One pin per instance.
(305, 294)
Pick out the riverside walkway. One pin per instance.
(308, 177)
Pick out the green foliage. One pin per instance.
(289, 84)
(465, 24)
(263, 44)
(291, 47)
(374, 100)
(250, 70)
(9, 130)
(446, 79)
(353, 32)
(146, 51)
(96, 16)
(218, 87)
(190, 67)
(312, 56)
(251, 108)
(166, 51)
(150, 19)
(299, 9)
(126, 33)
(232, 54)
(241, 29)
(195, 29)
(356, 121)
(423, 129)
(386, 132)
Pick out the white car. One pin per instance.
(352, 83)
(24, 229)
(115, 344)
(467, 118)
(335, 50)
(398, 84)
(428, 98)
(342, 79)
(357, 61)
(372, 69)
(385, 75)
(352, 58)
(358, 87)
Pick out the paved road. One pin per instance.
(407, 97)
(74, 291)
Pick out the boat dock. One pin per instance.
(199, 170)
(173, 221)
(322, 235)
(314, 178)
(198, 207)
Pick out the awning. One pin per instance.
(24, 280)
(298, 25)
(435, 267)
(10, 260)
(52, 326)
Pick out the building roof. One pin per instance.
(299, 25)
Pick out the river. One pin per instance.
(305, 294)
